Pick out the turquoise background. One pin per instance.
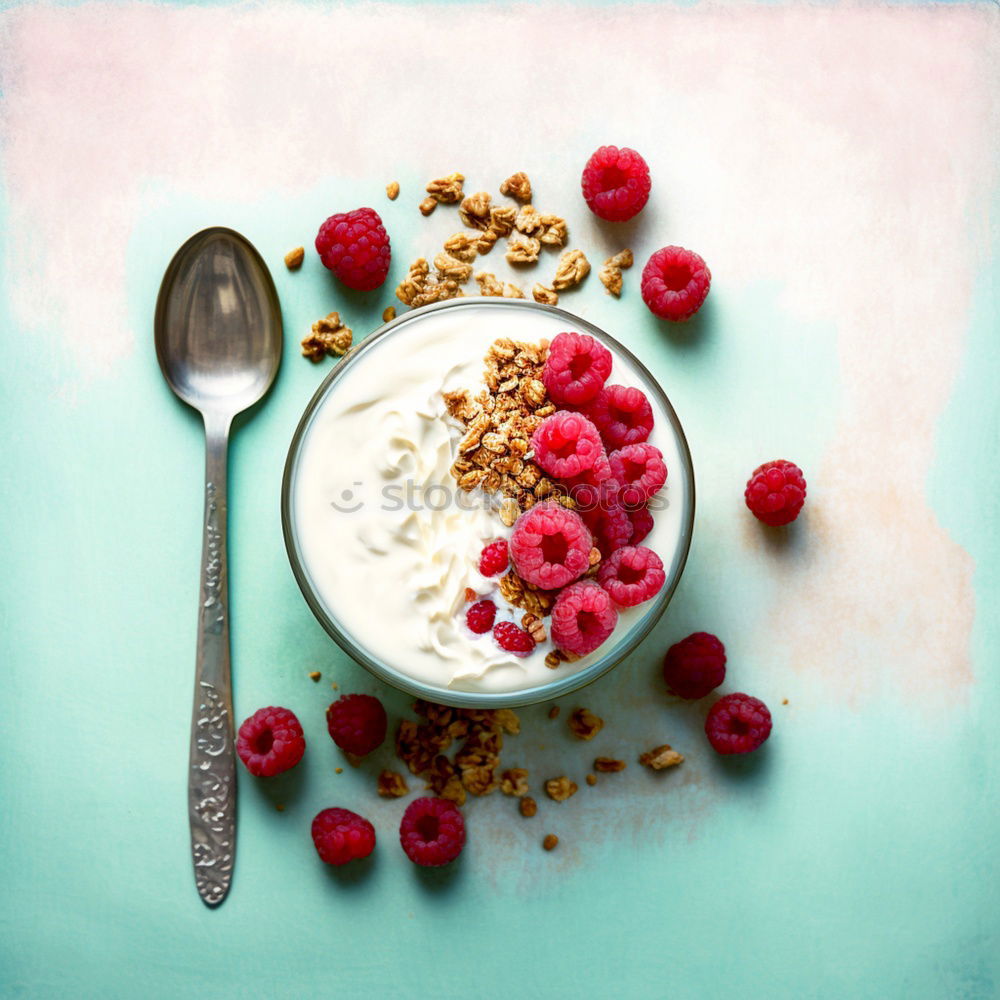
(854, 856)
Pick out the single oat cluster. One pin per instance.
(329, 336)
(474, 768)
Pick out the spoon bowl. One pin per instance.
(218, 341)
(218, 323)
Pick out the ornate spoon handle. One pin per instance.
(212, 770)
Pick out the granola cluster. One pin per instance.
(474, 768)
(329, 336)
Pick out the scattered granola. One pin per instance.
(528, 806)
(560, 789)
(338, 770)
(517, 186)
(526, 596)
(661, 757)
(509, 511)
(554, 712)
(784, 701)
(591, 780)
(550, 842)
(611, 273)
(447, 190)
(294, 258)
(547, 296)
(523, 249)
(584, 725)
(392, 190)
(514, 781)
(392, 785)
(573, 267)
(315, 676)
(552, 661)
(329, 336)
(280, 806)
(475, 210)
(609, 765)
(388, 313)
(428, 205)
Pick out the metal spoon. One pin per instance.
(218, 341)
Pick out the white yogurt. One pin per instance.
(389, 541)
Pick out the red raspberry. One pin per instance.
(695, 665)
(776, 492)
(550, 546)
(582, 618)
(632, 575)
(641, 471)
(270, 742)
(675, 282)
(642, 523)
(576, 369)
(432, 832)
(357, 723)
(622, 415)
(513, 639)
(566, 444)
(609, 525)
(594, 488)
(480, 616)
(616, 183)
(355, 246)
(494, 558)
(737, 723)
(341, 836)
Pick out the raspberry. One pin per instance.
(641, 471)
(776, 492)
(582, 618)
(480, 616)
(357, 723)
(622, 416)
(610, 527)
(576, 369)
(513, 639)
(550, 546)
(632, 575)
(695, 665)
(642, 523)
(675, 282)
(737, 723)
(494, 558)
(615, 183)
(432, 832)
(270, 742)
(355, 246)
(341, 836)
(594, 488)
(566, 444)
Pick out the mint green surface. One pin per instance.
(855, 856)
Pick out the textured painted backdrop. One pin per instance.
(837, 168)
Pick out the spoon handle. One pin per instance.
(212, 770)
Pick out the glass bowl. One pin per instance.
(623, 644)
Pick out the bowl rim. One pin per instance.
(481, 699)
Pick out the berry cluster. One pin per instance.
(596, 448)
